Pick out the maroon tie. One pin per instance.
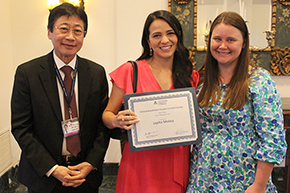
(72, 142)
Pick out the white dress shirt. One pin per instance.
(59, 64)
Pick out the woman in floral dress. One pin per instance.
(241, 116)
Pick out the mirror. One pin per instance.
(257, 13)
(195, 17)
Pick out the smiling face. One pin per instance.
(66, 45)
(162, 39)
(226, 44)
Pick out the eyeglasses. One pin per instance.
(65, 29)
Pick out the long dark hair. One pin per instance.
(237, 92)
(182, 66)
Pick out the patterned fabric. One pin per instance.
(233, 140)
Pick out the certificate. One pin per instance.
(167, 119)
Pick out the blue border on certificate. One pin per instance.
(193, 138)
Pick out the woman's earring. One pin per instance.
(151, 52)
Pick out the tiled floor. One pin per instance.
(109, 182)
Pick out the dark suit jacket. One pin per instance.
(36, 119)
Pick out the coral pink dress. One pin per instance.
(150, 171)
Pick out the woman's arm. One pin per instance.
(112, 117)
(263, 172)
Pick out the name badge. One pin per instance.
(70, 127)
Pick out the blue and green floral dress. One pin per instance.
(233, 140)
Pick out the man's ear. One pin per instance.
(48, 34)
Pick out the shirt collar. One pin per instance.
(59, 63)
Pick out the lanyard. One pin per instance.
(68, 98)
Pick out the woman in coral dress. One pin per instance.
(163, 65)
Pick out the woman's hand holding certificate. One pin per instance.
(167, 119)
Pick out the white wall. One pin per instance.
(114, 36)
(6, 64)
(6, 74)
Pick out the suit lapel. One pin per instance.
(48, 78)
(84, 80)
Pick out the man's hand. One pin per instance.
(62, 173)
(78, 173)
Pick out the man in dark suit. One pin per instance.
(39, 109)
